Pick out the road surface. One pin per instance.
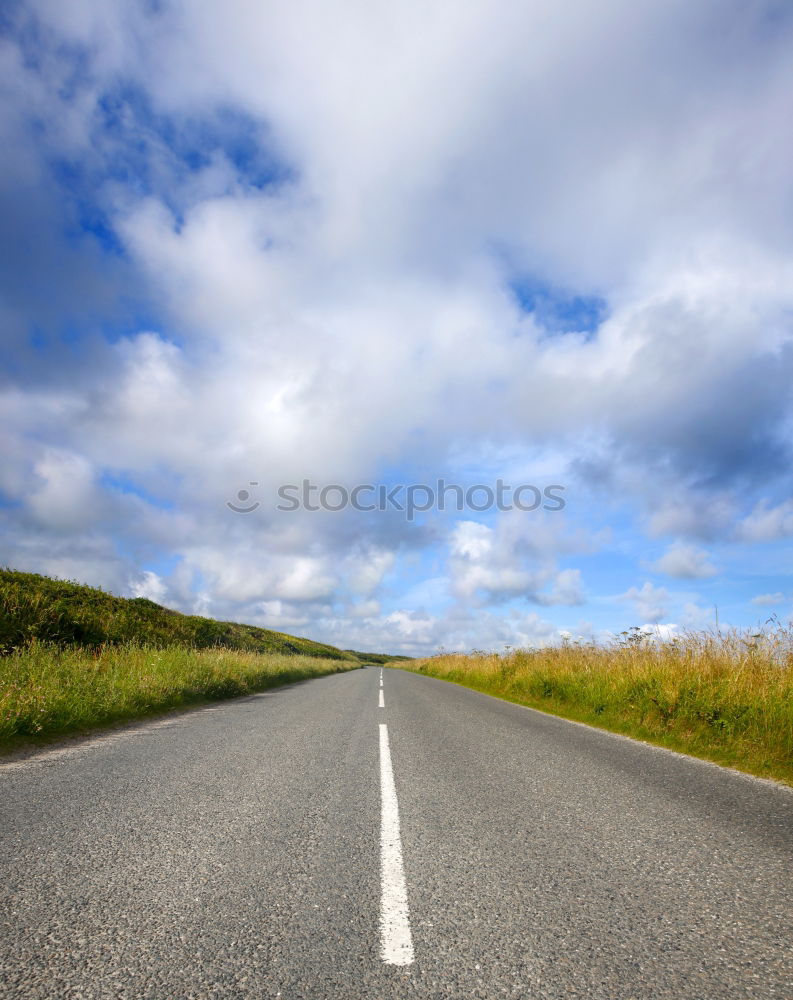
(339, 838)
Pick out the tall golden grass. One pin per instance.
(47, 689)
(723, 696)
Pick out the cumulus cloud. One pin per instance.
(649, 602)
(769, 600)
(767, 523)
(64, 493)
(148, 585)
(701, 515)
(698, 617)
(458, 630)
(567, 589)
(512, 559)
(663, 633)
(685, 562)
(263, 243)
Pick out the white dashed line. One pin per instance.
(381, 703)
(396, 942)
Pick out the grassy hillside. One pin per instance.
(376, 657)
(73, 658)
(72, 614)
(726, 697)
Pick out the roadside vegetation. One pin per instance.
(46, 690)
(74, 657)
(67, 614)
(726, 697)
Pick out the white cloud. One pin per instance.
(766, 523)
(662, 633)
(64, 495)
(768, 600)
(698, 515)
(150, 585)
(567, 589)
(516, 558)
(699, 617)
(250, 578)
(365, 569)
(649, 602)
(356, 316)
(471, 540)
(685, 562)
(419, 633)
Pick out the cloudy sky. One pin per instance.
(247, 244)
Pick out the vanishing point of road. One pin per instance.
(379, 834)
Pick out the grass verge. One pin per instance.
(47, 690)
(727, 698)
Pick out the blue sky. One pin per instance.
(268, 243)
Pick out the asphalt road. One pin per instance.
(257, 849)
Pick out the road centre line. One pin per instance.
(396, 941)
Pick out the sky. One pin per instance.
(246, 245)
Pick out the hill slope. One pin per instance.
(68, 613)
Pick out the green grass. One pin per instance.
(48, 690)
(74, 657)
(727, 698)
